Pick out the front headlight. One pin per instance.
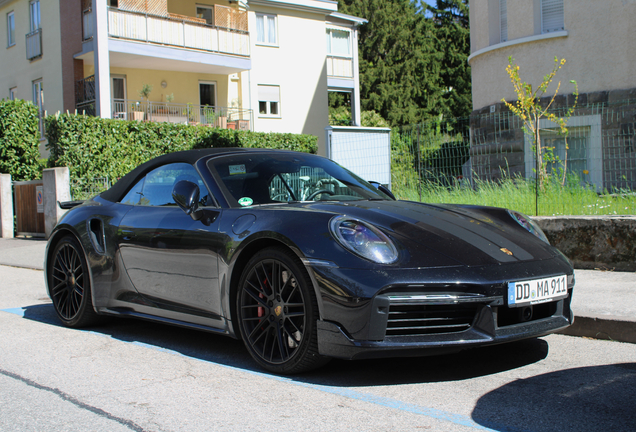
(363, 239)
(528, 224)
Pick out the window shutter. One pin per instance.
(269, 93)
(551, 16)
(503, 20)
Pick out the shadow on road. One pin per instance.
(338, 373)
(577, 399)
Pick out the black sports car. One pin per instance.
(303, 261)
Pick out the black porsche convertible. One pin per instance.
(303, 261)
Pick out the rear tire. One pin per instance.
(70, 285)
(277, 313)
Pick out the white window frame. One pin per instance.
(38, 101)
(266, 19)
(552, 29)
(35, 18)
(262, 90)
(13, 93)
(10, 29)
(503, 21)
(330, 31)
(594, 147)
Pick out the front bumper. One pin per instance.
(491, 324)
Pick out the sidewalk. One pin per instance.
(604, 302)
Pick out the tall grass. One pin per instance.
(519, 194)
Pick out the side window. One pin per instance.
(155, 189)
(134, 195)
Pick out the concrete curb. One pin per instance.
(617, 329)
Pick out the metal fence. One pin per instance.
(223, 117)
(490, 151)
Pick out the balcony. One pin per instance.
(214, 116)
(34, 44)
(339, 66)
(231, 37)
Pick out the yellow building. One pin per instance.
(261, 65)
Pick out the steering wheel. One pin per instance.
(318, 192)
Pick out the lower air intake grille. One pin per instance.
(415, 320)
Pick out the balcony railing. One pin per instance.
(223, 117)
(34, 44)
(339, 66)
(177, 32)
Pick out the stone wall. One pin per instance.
(594, 242)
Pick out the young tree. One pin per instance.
(530, 110)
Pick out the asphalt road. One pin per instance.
(133, 375)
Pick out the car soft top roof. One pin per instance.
(119, 189)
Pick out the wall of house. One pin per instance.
(184, 86)
(189, 7)
(17, 71)
(298, 66)
(597, 47)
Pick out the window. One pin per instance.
(10, 29)
(266, 29)
(13, 93)
(118, 96)
(551, 16)
(207, 13)
(113, 3)
(338, 42)
(503, 20)
(269, 100)
(34, 15)
(38, 101)
(155, 189)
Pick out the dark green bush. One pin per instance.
(19, 140)
(93, 147)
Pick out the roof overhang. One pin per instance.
(135, 55)
(318, 6)
(353, 19)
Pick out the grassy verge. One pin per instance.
(519, 194)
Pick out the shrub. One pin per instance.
(92, 147)
(19, 140)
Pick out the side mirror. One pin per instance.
(186, 195)
(379, 186)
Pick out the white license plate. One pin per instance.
(535, 291)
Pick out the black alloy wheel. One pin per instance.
(277, 312)
(69, 284)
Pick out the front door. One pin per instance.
(170, 258)
(207, 100)
(118, 96)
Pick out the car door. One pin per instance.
(171, 259)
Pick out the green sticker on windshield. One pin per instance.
(245, 201)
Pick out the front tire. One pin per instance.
(69, 284)
(277, 313)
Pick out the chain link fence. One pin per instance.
(488, 159)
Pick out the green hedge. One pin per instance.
(93, 147)
(19, 140)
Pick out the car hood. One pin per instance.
(431, 235)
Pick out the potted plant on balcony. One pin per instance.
(144, 93)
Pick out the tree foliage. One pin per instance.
(452, 37)
(399, 66)
(413, 67)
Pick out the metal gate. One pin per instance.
(28, 199)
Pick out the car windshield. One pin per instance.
(253, 178)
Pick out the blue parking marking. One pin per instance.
(343, 392)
